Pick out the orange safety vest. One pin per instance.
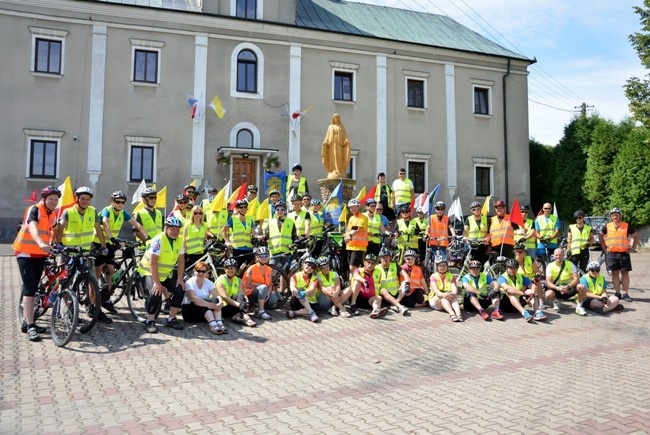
(359, 240)
(438, 229)
(258, 275)
(616, 239)
(501, 231)
(415, 277)
(24, 243)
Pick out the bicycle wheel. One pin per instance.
(496, 270)
(87, 290)
(65, 316)
(119, 287)
(454, 271)
(281, 284)
(137, 297)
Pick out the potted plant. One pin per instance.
(272, 162)
(223, 159)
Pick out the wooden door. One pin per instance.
(243, 171)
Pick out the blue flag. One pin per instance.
(334, 204)
(275, 181)
(431, 199)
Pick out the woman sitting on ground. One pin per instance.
(202, 303)
(444, 293)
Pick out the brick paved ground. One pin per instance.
(416, 375)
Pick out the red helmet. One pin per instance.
(50, 190)
(500, 203)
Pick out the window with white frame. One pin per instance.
(416, 89)
(352, 167)
(244, 138)
(43, 153)
(417, 169)
(247, 71)
(482, 92)
(244, 135)
(145, 60)
(48, 49)
(344, 77)
(246, 9)
(483, 176)
(142, 158)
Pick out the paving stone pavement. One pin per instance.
(417, 374)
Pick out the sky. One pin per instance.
(582, 49)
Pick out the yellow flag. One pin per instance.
(486, 206)
(219, 201)
(67, 195)
(138, 207)
(161, 201)
(361, 194)
(344, 214)
(263, 210)
(217, 107)
(252, 208)
(153, 186)
(195, 183)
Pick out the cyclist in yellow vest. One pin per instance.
(402, 190)
(579, 239)
(615, 241)
(77, 227)
(190, 192)
(517, 290)
(301, 217)
(258, 284)
(356, 235)
(212, 192)
(375, 227)
(32, 246)
(420, 223)
(320, 223)
(296, 183)
(252, 200)
(526, 235)
(530, 268)
(595, 288)
(238, 233)
(307, 299)
(280, 232)
(413, 287)
(547, 228)
(157, 269)
(330, 286)
(562, 278)
(365, 289)
(182, 208)
(406, 239)
(444, 292)
(195, 232)
(384, 198)
(476, 231)
(481, 291)
(150, 218)
(112, 218)
(306, 201)
(231, 291)
(274, 198)
(389, 282)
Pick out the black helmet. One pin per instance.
(252, 188)
(511, 262)
(50, 190)
(410, 253)
(296, 166)
(385, 252)
(230, 262)
(440, 205)
(525, 207)
(519, 247)
(370, 257)
(578, 213)
(182, 197)
(295, 198)
(281, 204)
(474, 204)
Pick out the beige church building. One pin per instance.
(110, 92)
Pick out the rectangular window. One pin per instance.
(343, 82)
(48, 56)
(415, 93)
(246, 9)
(483, 176)
(417, 174)
(145, 66)
(142, 164)
(481, 101)
(43, 158)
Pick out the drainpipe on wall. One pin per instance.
(505, 130)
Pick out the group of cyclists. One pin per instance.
(395, 257)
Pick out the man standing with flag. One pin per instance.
(149, 217)
(502, 232)
(547, 228)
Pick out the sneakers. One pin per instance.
(395, 308)
(556, 305)
(382, 312)
(313, 317)
(527, 316)
(374, 314)
(39, 329)
(403, 310)
(32, 334)
(334, 311)
(244, 319)
(485, 315)
(103, 318)
(626, 297)
(352, 309)
(496, 314)
(580, 311)
(150, 326)
(174, 324)
(619, 307)
(108, 306)
(263, 315)
(540, 316)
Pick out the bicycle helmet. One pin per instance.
(578, 213)
(310, 260)
(212, 189)
(439, 260)
(295, 198)
(370, 257)
(297, 166)
(182, 197)
(50, 190)
(306, 195)
(173, 221)
(419, 210)
(511, 262)
(241, 202)
(519, 247)
(410, 253)
(230, 262)
(475, 204)
(353, 203)
(274, 192)
(385, 252)
(315, 201)
(323, 261)
(83, 190)
(281, 204)
(500, 203)
(474, 264)
(118, 194)
(593, 265)
(252, 188)
(440, 205)
(615, 210)
(371, 201)
(405, 209)
(525, 207)
(262, 251)
(148, 192)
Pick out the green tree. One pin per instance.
(638, 90)
(630, 182)
(541, 159)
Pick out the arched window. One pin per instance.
(246, 71)
(244, 138)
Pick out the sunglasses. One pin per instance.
(152, 197)
(546, 209)
(197, 212)
(594, 270)
(309, 265)
(242, 206)
(183, 202)
(280, 209)
(372, 205)
(201, 271)
(380, 209)
(580, 217)
(120, 202)
(474, 267)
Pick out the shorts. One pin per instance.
(194, 314)
(355, 258)
(571, 292)
(483, 300)
(618, 261)
(416, 297)
(31, 269)
(586, 304)
(101, 260)
(506, 306)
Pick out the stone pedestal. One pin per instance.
(327, 185)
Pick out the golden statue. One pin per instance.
(335, 153)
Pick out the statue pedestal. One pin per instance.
(327, 185)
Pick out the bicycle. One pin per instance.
(81, 265)
(125, 266)
(54, 292)
(334, 249)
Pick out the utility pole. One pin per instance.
(583, 109)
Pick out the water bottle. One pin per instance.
(117, 275)
(53, 294)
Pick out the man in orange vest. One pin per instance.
(258, 283)
(615, 241)
(502, 231)
(439, 231)
(32, 246)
